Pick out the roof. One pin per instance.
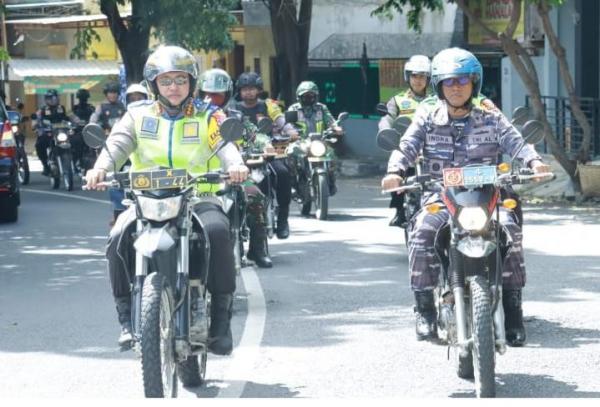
(66, 21)
(25, 68)
(383, 46)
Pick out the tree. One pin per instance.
(192, 24)
(291, 32)
(520, 60)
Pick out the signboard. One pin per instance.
(64, 84)
(494, 14)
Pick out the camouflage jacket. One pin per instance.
(315, 120)
(479, 139)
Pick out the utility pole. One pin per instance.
(4, 45)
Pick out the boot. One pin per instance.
(399, 219)
(513, 322)
(220, 341)
(283, 229)
(124, 314)
(258, 250)
(426, 326)
(46, 169)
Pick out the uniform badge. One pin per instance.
(214, 139)
(190, 130)
(150, 126)
(405, 104)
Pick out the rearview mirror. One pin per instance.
(342, 116)
(401, 123)
(533, 131)
(381, 108)
(388, 139)
(265, 125)
(93, 136)
(14, 117)
(291, 116)
(520, 115)
(231, 129)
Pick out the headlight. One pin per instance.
(159, 209)
(15, 129)
(62, 138)
(317, 148)
(472, 219)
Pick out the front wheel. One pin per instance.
(23, 168)
(321, 196)
(484, 349)
(67, 170)
(157, 338)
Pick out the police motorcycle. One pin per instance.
(311, 165)
(163, 301)
(60, 155)
(16, 120)
(472, 248)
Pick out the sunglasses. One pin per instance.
(461, 80)
(179, 81)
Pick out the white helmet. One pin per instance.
(417, 64)
(136, 87)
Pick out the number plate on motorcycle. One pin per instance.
(469, 176)
(161, 179)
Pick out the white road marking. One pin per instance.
(82, 198)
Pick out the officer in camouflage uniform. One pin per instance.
(216, 84)
(417, 73)
(454, 133)
(314, 117)
(173, 131)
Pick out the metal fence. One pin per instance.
(565, 126)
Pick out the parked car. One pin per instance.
(9, 170)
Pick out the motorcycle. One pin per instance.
(170, 317)
(60, 155)
(471, 248)
(311, 165)
(16, 120)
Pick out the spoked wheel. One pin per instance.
(321, 197)
(23, 168)
(484, 349)
(157, 338)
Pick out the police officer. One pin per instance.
(171, 131)
(109, 112)
(417, 73)
(82, 111)
(217, 86)
(314, 117)
(249, 86)
(55, 113)
(449, 134)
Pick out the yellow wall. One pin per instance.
(259, 44)
(106, 49)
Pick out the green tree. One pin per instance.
(290, 25)
(193, 24)
(520, 59)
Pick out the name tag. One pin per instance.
(438, 139)
(482, 138)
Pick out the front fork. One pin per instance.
(141, 267)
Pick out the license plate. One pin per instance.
(161, 179)
(469, 176)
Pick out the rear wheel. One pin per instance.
(321, 196)
(23, 168)
(192, 370)
(157, 338)
(484, 349)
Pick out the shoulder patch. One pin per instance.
(149, 125)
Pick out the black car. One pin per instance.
(9, 173)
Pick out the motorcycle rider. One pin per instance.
(135, 93)
(83, 111)
(249, 85)
(55, 113)
(172, 131)
(109, 112)
(216, 85)
(417, 73)
(314, 116)
(455, 133)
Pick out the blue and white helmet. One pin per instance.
(452, 63)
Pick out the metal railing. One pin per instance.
(565, 126)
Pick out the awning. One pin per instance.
(77, 21)
(66, 76)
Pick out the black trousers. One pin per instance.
(215, 225)
(42, 144)
(281, 181)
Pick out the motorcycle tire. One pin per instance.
(67, 168)
(23, 168)
(55, 181)
(157, 338)
(190, 372)
(321, 197)
(484, 348)
(305, 211)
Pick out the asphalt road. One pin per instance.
(333, 318)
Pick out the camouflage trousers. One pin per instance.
(256, 205)
(424, 264)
